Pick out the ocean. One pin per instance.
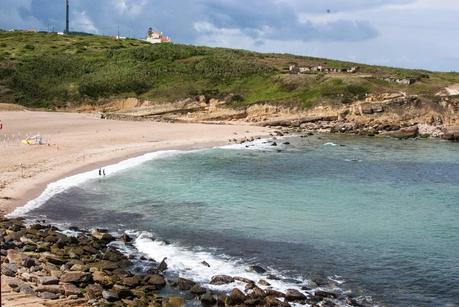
(376, 217)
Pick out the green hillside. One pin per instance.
(49, 70)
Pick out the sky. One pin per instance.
(402, 33)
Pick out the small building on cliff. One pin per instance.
(154, 37)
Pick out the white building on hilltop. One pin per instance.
(157, 37)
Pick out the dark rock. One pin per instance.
(243, 279)
(208, 299)
(236, 297)
(102, 235)
(273, 144)
(26, 289)
(272, 301)
(324, 294)
(125, 238)
(162, 266)
(122, 291)
(48, 280)
(293, 295)
(264, 283)
(113, 255)
(221, 280)
(75, 277)
(131, 282)
(273, 277)
(205, 264)
(9, 269)
(185, 284)
(271, 292)
(14, 283)
(93, 291)
(198, 290)
(110, 296)
(28, 262)
(257, 269)
(157, 281)
(48, 296)
(51, 258)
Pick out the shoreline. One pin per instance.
(81, 142)
(44, 265)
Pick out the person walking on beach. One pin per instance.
(100, 172)
(103, 171)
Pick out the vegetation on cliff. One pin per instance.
(49, 70)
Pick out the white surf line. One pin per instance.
(72, 181)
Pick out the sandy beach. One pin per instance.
(80, 142)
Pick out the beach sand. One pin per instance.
(81, 142)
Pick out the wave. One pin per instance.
(73, 181)
(190, 263)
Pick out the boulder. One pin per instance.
(293, 295)
(185, 284)
(198, 290)
(70, 289)
(102, 278)
(75, 277)
(157, 281)
(173, 301)
(236, 297)
(403, 133)
(271, 292)
(93, 291)
(51, 258)
(243, 279)
(102, 235)
(451, 133)
(263, 282)
(272, 301)
(208, 299)
(131, 282)
(48, 280)
(257, 269)
(122, 291)
(110, 296)
(48, 296)
(15, 256)
(49, 288)
(9, 269)
(221, 280)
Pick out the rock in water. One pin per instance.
(185, 284)
(221, 280)
(236, 297)
(163, 265)
(257, 269)
(208, 299)
(198, 290)
(157, 281)
(293, 295)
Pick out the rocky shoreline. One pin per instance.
(85, 269)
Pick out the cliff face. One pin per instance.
(392, 114)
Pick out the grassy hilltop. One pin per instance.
(49, 70)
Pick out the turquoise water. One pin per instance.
(380, 215)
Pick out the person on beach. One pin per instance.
(103, 171)
(100, 172)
